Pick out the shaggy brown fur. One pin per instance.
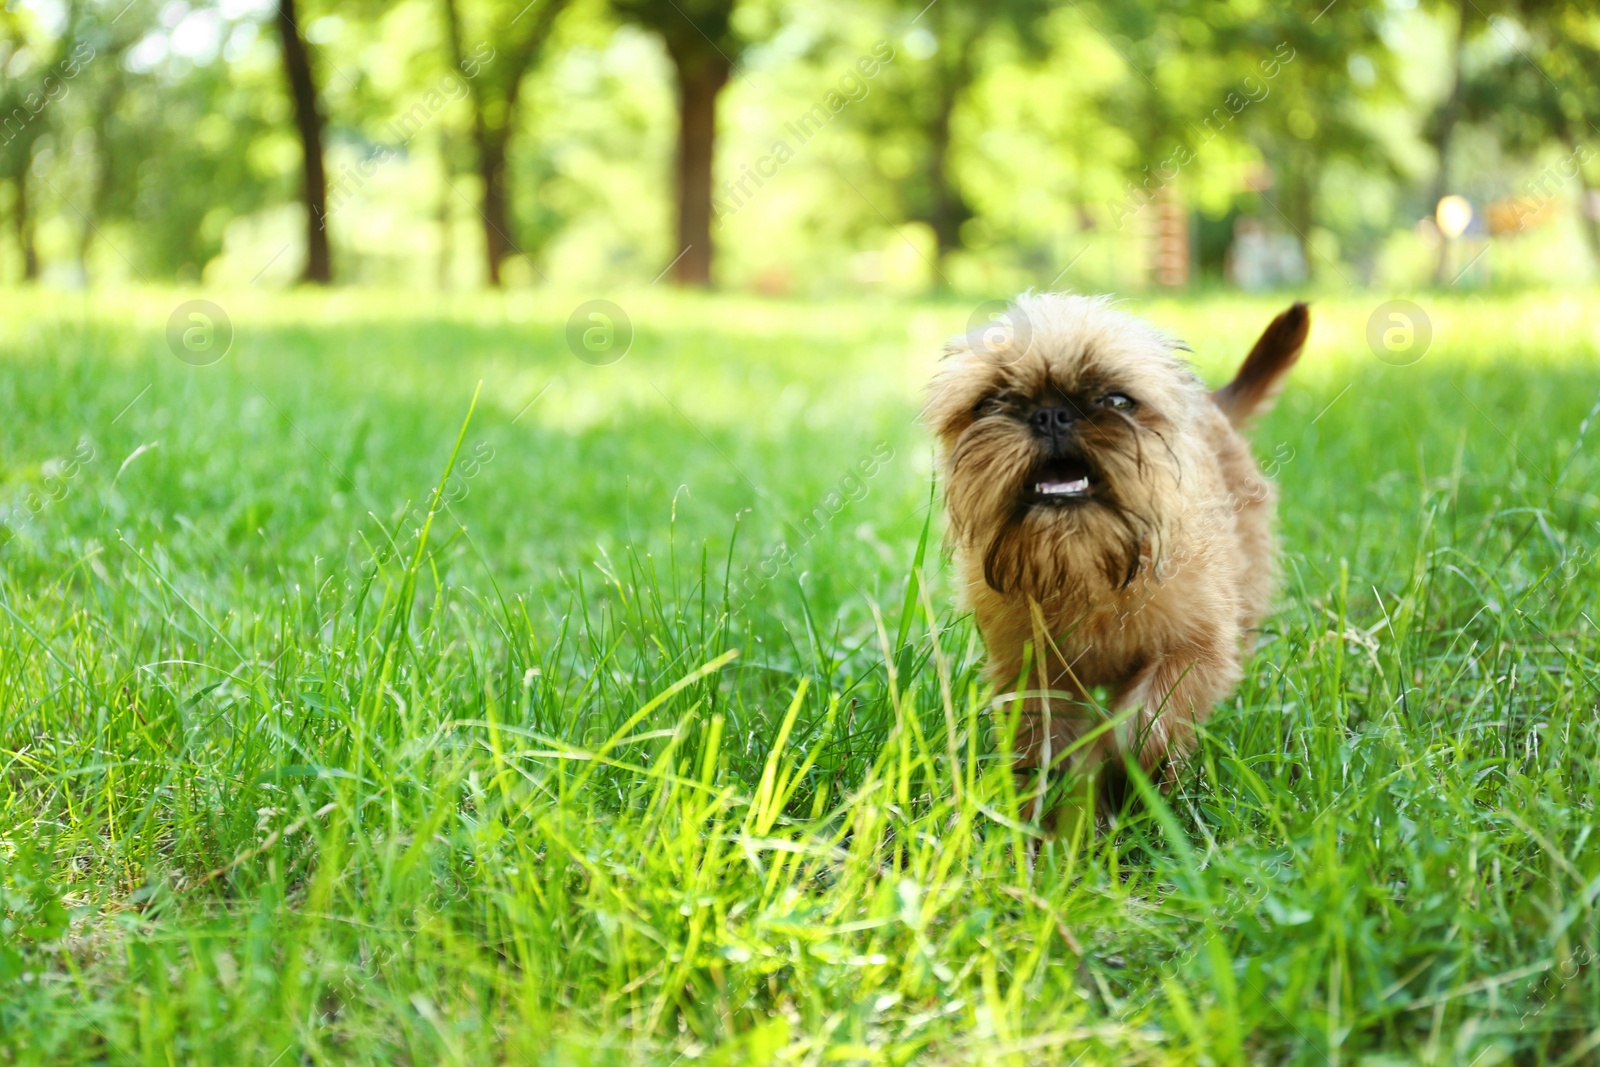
(1106, 511)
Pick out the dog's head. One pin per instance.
(1066, 428)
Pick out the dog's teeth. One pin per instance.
(1072, 488)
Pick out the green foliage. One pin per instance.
(698, 34)
(350, 721)
(173, 152)
(30, 911)
(997, 144)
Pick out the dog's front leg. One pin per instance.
(1062, 750)
(1173, 696)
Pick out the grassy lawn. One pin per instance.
(648, 747)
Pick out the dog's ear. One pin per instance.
(947, 410)
(1260, 378)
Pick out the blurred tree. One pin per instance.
(309, 124)
(952, 34)
(1194, 72)
(1543, 87)
(185, 143)
(38, 68)
(102, 42)
(1152, 113)
(1327, 69)
(704, 47)
(510, 38)
(167, 134)
(1464, 18)
(1567, 39)
(1208, 78)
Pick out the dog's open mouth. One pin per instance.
(1061, 480)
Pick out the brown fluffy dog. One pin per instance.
(1105, 510)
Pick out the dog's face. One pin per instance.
(1065, 438)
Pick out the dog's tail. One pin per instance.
(1260, 378)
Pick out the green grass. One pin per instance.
(586, 770)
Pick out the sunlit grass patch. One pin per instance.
(653, 745)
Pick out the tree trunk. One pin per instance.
(1587, 222)
(497, 241)
(105, 103)
(492, 141)
(1302, 206)
(944, 215)
(947, 208)
(700, 80)
(308, 120)
(99, 177)
(489, 147)
(24, 223)
(446, 244)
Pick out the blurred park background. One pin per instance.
(815, 148)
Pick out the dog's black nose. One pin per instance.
(1052, 422)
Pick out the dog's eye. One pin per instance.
(993, 404)
(1117, 402)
